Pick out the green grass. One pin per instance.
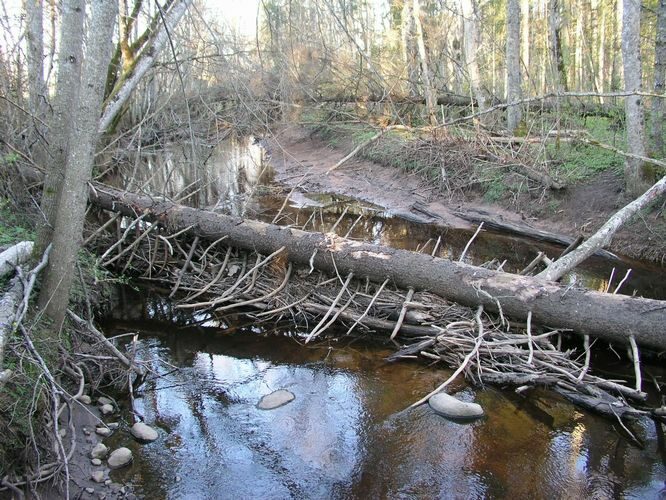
(13, 226)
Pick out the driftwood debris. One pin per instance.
(229, 279)
(612, 317)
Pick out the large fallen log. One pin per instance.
(612, 317)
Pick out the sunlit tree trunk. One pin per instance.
(34, 34)
(631, 55)
(70, 210)
(556, 52)
(472, 44)
(617, 71)
(70, 55)
(525, 40)
(430, 97)
(659, 82)
(513, 92)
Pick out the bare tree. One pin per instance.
(430, 97)
(472, 45)
(513, 92)
(631, 55)
(70, 57)
(659, 81)
(70, 209)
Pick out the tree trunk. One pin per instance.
(70, 210)
(659, 82)
(525, 41)
(612, 317)
(425, 69)
(513, 93)
(634, 169)
(556, 51)
(472, 44)
(70, 56)
(35, 54)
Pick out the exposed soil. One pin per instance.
(301, 161)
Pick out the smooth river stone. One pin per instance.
(143, 432)
(119, 458)
(450, 407)
(275, 400)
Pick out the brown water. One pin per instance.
(341, 437)
(237, 178)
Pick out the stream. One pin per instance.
(342, 435)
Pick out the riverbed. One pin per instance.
(344, 435)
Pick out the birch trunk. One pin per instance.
(513, 92)
(472, 43)
(70, 56)
(431, 100)
(659, 82)
(631, 55)
(70, 211)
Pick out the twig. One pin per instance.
(464, 252)
(637, 362)
(403, 311)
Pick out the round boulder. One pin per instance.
(143, 432)
(120, 458)
(275, 400)
(99, 451)
(450, 407)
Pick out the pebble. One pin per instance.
(104, 401)
(113, 425)
(85, 399)
(62, 432)
(90, 490)
(99, 451)
(448, 406)
(120, 458)
(96, 461)
(108, 482)
(144, 432)
(104, 431)
(98, 476)
(275, 399)
(106, 409)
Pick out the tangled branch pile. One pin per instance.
(212, 279)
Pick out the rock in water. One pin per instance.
(106, 409)
(450, 407)
(120, 458)
(275, 400)
(99, 451)
(98, 476)
(143, 432)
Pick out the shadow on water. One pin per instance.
(344, 436)
(237, 179)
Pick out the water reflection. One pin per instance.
(236, 178)
(342, 437)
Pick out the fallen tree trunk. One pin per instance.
(612, 317)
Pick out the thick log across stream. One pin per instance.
(611, 317)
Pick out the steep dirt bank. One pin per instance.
(302, 160)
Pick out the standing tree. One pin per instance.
(430, 97)
(472, 44)
(71, 205)
(634, 169)
(659, 82)
(513, 92)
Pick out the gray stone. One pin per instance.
(113, 425)
(450, 407)
(98, 476)
(90, 490)
(62, 432)
(96, 461)
(106, 409)
(120, 458)
(104, 401)
(104, 431)
(275, 399)
(99, 451)
(85, 399)
(144, 432)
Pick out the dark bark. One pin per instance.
(612, 317)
